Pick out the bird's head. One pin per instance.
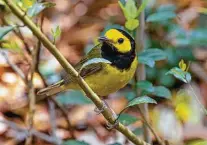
(119, 40)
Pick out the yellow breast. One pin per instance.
(109, 79)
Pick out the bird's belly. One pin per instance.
(110, 79)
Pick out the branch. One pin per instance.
(33, 132)
(32, 97)
(140, 73)
(65, 114)
(70, 70)
(51, 105)
(14, 66)
(150, 127)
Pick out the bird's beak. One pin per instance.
(103, 39)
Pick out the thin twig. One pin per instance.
(197, 99)
(32, 97)
(65, 114)
(141, 74)
(34, 132)
(62, 108)
(52, 118)
(31, 94)
(14, 66)
(70, 70)
(150, 127)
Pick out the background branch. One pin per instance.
(34, 132)
(140, 73)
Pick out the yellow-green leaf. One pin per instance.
(12, 46)
(132, 24)
(182, 65)
(27, 3)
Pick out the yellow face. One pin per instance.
(118, 40)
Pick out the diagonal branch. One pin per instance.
(70, 70)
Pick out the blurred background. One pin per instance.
(178, 119)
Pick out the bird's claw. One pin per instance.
(99, 111)
(114, 125)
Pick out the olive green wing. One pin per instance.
(95, 52)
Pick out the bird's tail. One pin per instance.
(50, 90)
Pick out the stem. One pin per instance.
(36, 133)
(65, 114)
(150, 127)
(197, 100)
(140, 74)
(70, 70)
(32, 97)
(52, 113)
(14, 66)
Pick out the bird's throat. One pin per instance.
(122, 61)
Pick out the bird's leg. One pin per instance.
(116, 122)
(99, 111)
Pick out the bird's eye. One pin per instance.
(120, 40)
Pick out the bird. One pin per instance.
(106, 68)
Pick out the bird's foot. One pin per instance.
(114, 125)
(99, 111)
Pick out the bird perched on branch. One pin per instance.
(108, 67)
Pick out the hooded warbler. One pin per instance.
(117, 48)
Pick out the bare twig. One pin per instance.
(33, 132)
(140, 74)
(31, 93)
(53, 118)
(65, 114)
(62, 108)
(32, 98)
(70, 70)
(14, 66)
(150, 127)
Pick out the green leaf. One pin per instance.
(154, 53)
(138, 131)
(130, 9)
(146, 60)
(38, 7)
(162, 91)
(75, 142)
(5, 30)
(142, 7)
(131, 24)
(12, 46)
(141, 100)
(149, 56)
(180, 74)
(145, 85)
(161, 16)
(129, 95)
(73, 97)
(166, 7)
(27, 3)
(35, 9)
(56, 33)
(127, 119)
